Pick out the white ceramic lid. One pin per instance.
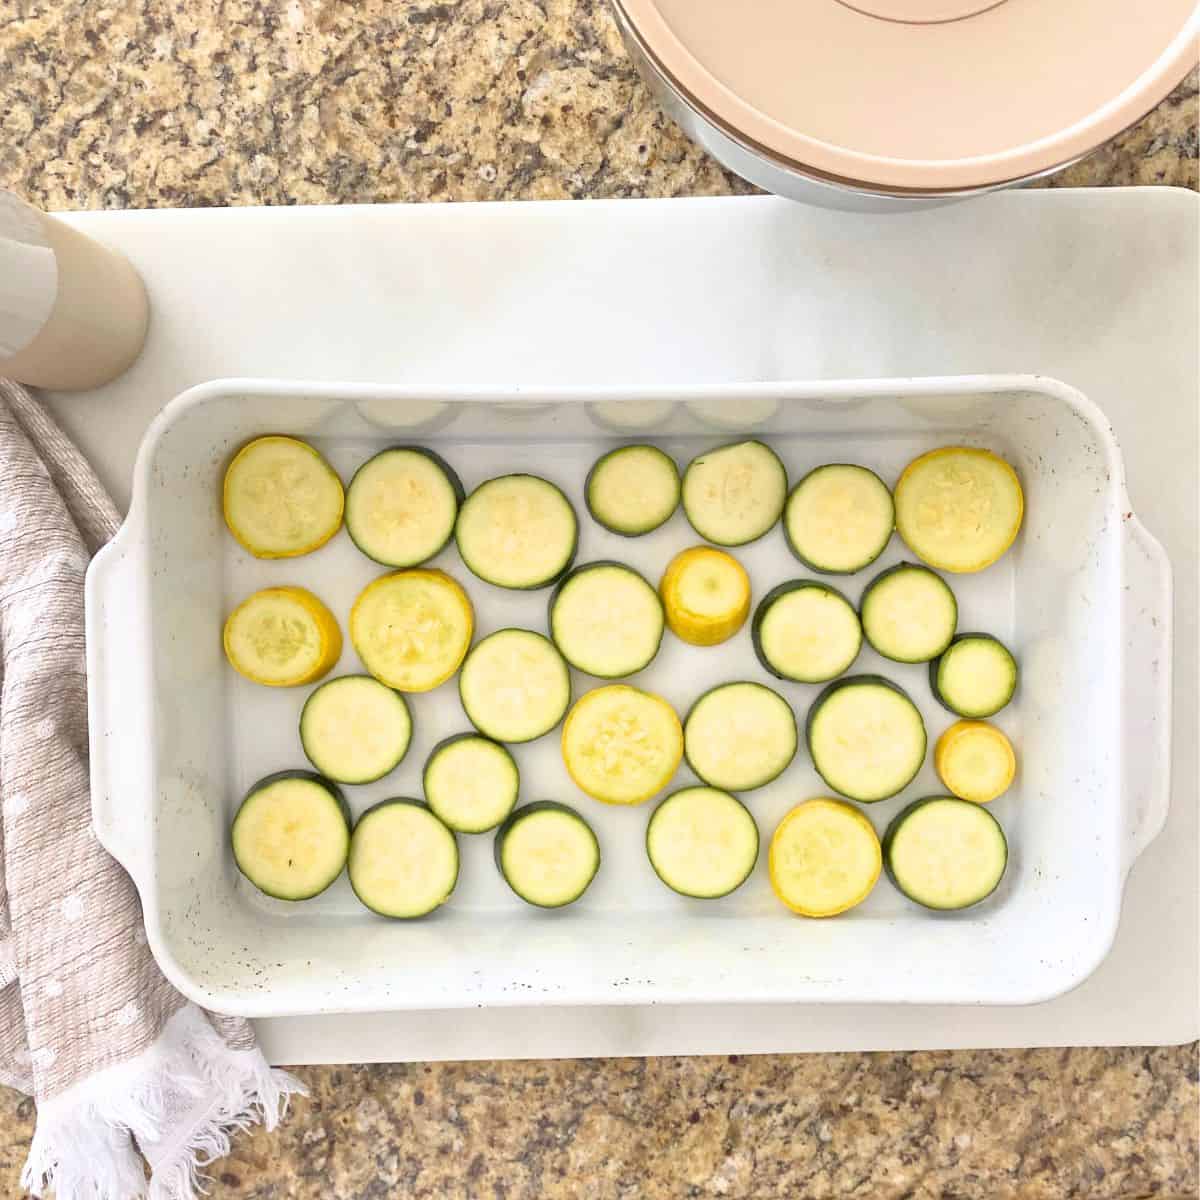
(922, 94)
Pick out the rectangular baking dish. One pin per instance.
(1084, 599)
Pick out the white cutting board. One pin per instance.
(1099, 288)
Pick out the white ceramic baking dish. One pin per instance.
(176, 737)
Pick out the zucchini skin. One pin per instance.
(587, 490)
(408, 800)
(515, 818)
(453, 479)
(715, 450)
(720, 687)
(893, 829)
(787, 536)
(849, 681)
(582, 569)
(764, 606)
(935, 666)
(882, 577)
(525, 587)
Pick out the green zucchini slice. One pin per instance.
(401, 506)
(866, 738)
(839, 518)
(514, 685)
(945, 853)
(806, 632)
(606, 619)
(702, 842)
(547, 853)
(740, 736)
(975, 677)
(633, 489)
(291, 835)
(354, 729)
(734, 494)
(471, 782)
(909, 613)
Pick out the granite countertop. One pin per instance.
(202, 102)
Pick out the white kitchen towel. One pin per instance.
(118, 1061)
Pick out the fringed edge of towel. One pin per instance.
(181, 1099)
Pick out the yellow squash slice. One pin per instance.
(824, 859)
(622, 745)
(412, 628)
(706, 596)
(959, 509)
(282, 637)
(281, 498)
(975, 761)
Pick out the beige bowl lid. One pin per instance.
(923, 94)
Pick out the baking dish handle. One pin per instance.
(120, 732)
(1146, 688)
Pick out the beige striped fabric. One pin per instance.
(88, 1024)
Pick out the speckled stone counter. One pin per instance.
(198, 102)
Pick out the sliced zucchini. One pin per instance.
(959, 509)
(909, 613)
(517, 531)
(606, 619)
(706, 595)
(945, 853)
(412, 628)
(547, 853)
(633, 489)
(806, 632)
(354, 729)
(291, 835)
(735, 493)
(824, 858)
(975, 761)
(622, 745)
(515, 686)
(401, 506)
(281, 498)
(839, 518)
(740, 736)
(403, 860)
(866, 738)
(471, 782)
(282, 637)
(975, 677)
(702, 842)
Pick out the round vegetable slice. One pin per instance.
(839, 518)
(909, 613)
(471, 782)
(401, 506)
(633, 489)
(606, 619)
(706, 596)
(547, 853)
(866, 738)
(739, 736)
(959, 509)
(806, 632)
(403, 861)
(975, 677)
(824, 858)
(412, 628)
(734, 494)
(975, 761)
(291, 835)
(354, 729)
(945, 853)
(622, 745)
(282, 637)
(517, 531)
(281, 498)
(702, 842)
(515, 685)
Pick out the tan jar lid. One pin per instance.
(922, 94)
